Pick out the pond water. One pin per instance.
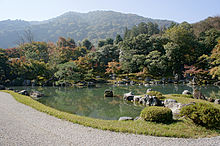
(90, 102)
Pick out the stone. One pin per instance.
(2, 87)
(140, 78)
(217, 101)
(24, 92)
(91, 84)
(125, 118)
(175, 107)
(152, 101)
(137, 98)
(128, 96)
(121, 82)
(211, 99)
(36, 94)
(198, 95)
(132, 83)
(142, 101)
(168, 101)
(137, 118)
(148, 90)
(108, 93)
(186, 92)
(147, 79)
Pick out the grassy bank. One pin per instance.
(181, 128)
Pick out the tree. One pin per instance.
(109, 41)
(209, 39)
(62, 42)
(183, 36)
(175, 57)
(118, 39)
(86, 43)
(195, 72)
(113, 68)
(215, 62)
(156, 64)
(68, 73)
(4, 68)
(101, 43)
(35, 50)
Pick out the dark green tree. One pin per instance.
(156, 64)
(118, 39)
(86, 43)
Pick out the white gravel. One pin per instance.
(21, 125)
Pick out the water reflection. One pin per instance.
(91, 102)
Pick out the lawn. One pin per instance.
(181, 128)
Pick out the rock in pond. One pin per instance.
(24, 92)
(137, 98)
(128, 96)
(186, 92)
(148, 90)
(91, 84)
(125, 118)
(2, 87)
(36, 94)
(108, 93)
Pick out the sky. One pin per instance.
(177, 10)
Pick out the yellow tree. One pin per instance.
(215, 62)
(113, 68)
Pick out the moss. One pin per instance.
(156, 93)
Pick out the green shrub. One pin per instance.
(157, 94)
(157, 114)
(202, 114)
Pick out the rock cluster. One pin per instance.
(33, 94)
(146, 100)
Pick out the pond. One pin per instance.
(90, 102)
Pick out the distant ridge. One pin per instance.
(93, 25)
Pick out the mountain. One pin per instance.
(94, 26)
(207, 24)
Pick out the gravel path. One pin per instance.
(21, 125)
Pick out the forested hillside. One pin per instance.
(184, 52)
(94, 26)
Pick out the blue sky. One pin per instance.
(177, 10)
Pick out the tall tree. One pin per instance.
(86, 43)
(118, 39)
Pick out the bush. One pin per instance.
(202, 114)
(157, 114)
(157, 94)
